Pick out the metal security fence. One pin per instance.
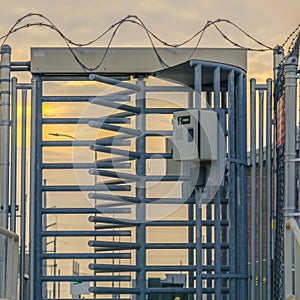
(102, 216)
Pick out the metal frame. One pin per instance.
(261, 189)
(217, 267)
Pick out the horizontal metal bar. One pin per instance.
(47, 77)
(70, 211)
(115, 105)
(113, 268)
(107, 142)
(182, 245)
(119, 129)
(178, 223)
(65, 98)
(20, 69)
(260, 87)
(114, 290)
(115, 159)
(159, 268)
(111, 97)
(170, 201)
(113, 142)
(170, 223)
(101, 227)
(104, 165)
(78, 188)
(113, 197)
(123, 114)
(174, 290)
(71, 143)
(114, 210)
(86, 256)
(86, 233)
(114, 174)
(159, 133)
(20, 63)
(116, 137)
(114, 245)
(168, 89)
(86, 278)
(22, 86)
(90, 210)
(112, 81)
(107, 120)
(167, 178)
(168, 111)
(107, 220)
(115, 151)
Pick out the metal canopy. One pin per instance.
(132, 61)
(184, 73)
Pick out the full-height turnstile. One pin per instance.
(119, 182)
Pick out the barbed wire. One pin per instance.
(133, 19)
(292, 44)
(290, 35)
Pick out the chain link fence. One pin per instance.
(278, 280)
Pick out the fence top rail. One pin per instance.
(8, 233)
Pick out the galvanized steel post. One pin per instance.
(290, 135)
(198, 192)
(4, 156)
(141, 190)
(290, 151)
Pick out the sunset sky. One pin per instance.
(174, 21)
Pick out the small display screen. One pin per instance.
(184, 120)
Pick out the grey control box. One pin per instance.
(195, 135)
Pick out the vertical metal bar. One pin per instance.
(141, 190)
(290, 141)
(33, 152)
(190, 216)
(198, 85)
(37, 218)
(4, 157)
(208, 210)
(23, 194)
(288, 278)
(198, 192)
(54, 267)
(13, 154)
(224, 212)
(242, 155)
(39, 172)
(217, 232)
(44, 242)
(198, 90)
(209, 260)
(269, 188)
(253, 188)
(232, 186)
(260, 195)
